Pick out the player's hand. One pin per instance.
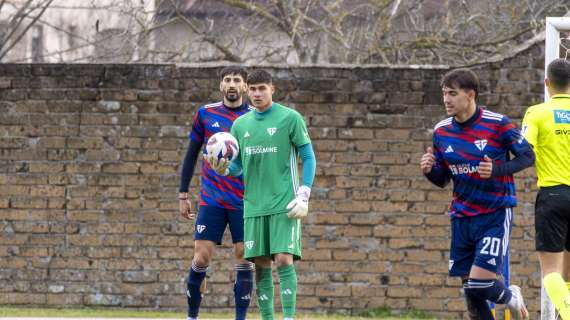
(486, 167)
(185, 206)
(299, 207)
(219, 165)
(427, 161)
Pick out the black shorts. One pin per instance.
(552, 219)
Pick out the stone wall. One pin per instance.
(89, 170)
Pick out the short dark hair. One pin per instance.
(259, 76)
(237, 70)
(461, 78)
(558, 73)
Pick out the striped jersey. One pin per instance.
(268, 144)
(460, 147)
(218, 191)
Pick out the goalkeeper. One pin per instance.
(270, 139)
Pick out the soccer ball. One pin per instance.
(223, 145)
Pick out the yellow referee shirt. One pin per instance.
(546, 127)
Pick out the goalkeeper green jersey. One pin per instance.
(268, 144)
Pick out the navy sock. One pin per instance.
(492, 290)
(477, 307)
(193, 294)
(242, 289)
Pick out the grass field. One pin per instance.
(8, 311)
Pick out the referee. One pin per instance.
(546, 127)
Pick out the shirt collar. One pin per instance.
(561, 96)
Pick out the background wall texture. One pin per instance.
(89, 171)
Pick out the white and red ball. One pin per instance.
(223, 145)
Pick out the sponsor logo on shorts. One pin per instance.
(263, 297)
(200, 228)
(451, 264)
(246, 297)
(249, 244)
(492, 262)
(287, 292)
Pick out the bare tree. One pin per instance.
(453, 32)
(25, 15)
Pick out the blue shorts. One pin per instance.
(481, 240)
(211, 223)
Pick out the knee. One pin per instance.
(282, 260)
(202, 258)
(238, 252)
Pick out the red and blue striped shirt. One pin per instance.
(219, 191)
(460, 147)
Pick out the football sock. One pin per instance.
(558, 292)
(193, 294)
(265, 293)
(288, 285)
(242, 288)
(488, 289)
(477, 307)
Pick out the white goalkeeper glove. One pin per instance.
(299, 207)
(221, 166)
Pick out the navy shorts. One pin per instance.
(211, 223)
(481, 240)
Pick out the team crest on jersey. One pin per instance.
(249, 244)
(271, 131)
(200, 228)
(480, 144)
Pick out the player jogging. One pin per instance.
(221, 198)
(472, 148)
(270, 139)
(546, 126)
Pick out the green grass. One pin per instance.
(385, 313)
(12, 311)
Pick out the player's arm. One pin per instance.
(433, 166)
(520, 148)
(188, 166)
(190, 159)
(299, 207)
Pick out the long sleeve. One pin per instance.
(189, 164)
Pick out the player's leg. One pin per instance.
(551, 226)
(490, 252)
(209, 230)
(566, 271)
(243, 268)
(461, 257)
(256, 248)
(286, 247)
(265, 288)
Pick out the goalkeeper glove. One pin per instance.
(219, 165)
(299, 207)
